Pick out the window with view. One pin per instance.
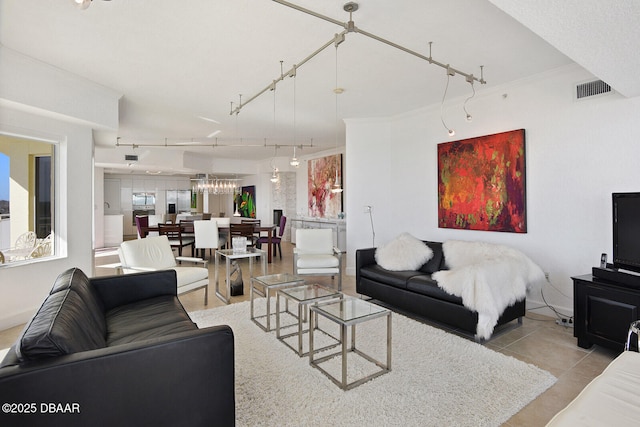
(26, 199)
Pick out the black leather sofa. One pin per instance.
(118, 351)
(417, 293)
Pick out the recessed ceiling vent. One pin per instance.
(131, 157)
(593, 88)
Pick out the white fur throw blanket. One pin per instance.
(488, 278)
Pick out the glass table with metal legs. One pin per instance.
(348, 312)
(262, 286)
(303, 295)
(230, 254)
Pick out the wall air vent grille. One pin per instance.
(593, 88)
(131, 157)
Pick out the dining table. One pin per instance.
(269, 229)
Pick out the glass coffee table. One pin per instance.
(228, 255)
(304, 296)
(348, 312)
(262, 286)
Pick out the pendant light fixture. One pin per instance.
(294, 160)
(337, 186)
(275, 176)
(450, 131)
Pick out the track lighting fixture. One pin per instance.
(449, 130)
(464, 106)
(349, 27)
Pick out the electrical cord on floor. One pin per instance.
(560, 316)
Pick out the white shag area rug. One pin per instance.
(436, 378)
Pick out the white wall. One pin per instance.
(578, 153)
(41, 102)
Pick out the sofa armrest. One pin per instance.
(181, 379)
(115, 291)
(364, 257)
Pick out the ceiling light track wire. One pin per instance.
(289, 73)
(350, 27)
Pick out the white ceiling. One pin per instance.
(175, 61)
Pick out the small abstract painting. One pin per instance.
(481, 183)
(321, 177)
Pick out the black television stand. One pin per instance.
(621, 278)
(603, 307)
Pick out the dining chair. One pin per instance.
(255, 223)
(275, 240)
(176, 239)
(171, 219)
(1, 258)
(207, 236)
(187, 227)
(142, 222)
(315, 254)
(223, 229)
(243, 230)
(206, 216)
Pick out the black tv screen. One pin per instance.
(626, 231)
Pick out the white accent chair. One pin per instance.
(315, 255)
(154, 253)
(207, 236)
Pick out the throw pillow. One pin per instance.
(405, 252)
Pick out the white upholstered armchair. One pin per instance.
(315, 255)
(154, 253)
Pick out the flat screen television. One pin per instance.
(626, 231)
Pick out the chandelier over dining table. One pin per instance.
(217, 185)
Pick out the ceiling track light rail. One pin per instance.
(350, 27)
(182, 142)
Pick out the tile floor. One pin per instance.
(539, 341)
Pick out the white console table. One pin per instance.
(339, 227)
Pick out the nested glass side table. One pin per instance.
(228, 255)
(304, 296)
(348, 312)
(262, 286)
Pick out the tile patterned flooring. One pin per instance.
(539, 341)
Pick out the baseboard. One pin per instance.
(7, 322)
(545, 310)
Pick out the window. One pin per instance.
(26, 199)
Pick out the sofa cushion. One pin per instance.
(145, 319)
(436, 262)
(67, 322)
(396, 279)
(425, 285)
(78, 282)
(405, 252)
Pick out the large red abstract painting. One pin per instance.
(481, 183)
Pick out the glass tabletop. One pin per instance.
(309, 292)
(250, 252)
(277, 279)
(350, 309)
